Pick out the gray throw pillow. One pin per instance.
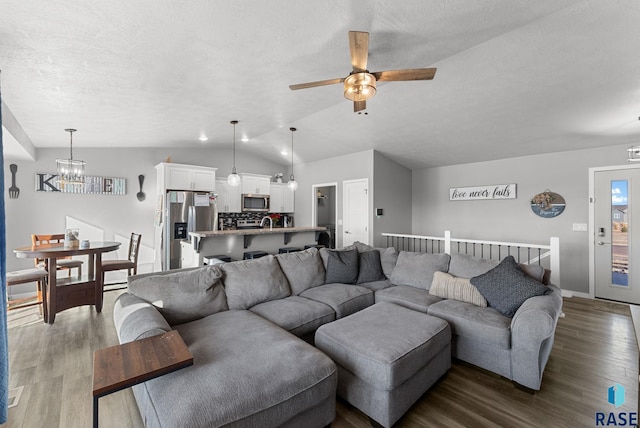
(506, 287)
(183, 296)
(324, 253)
(361, 247)
(342, 267)
(249, 282)
(467, 266)
(370, 267)
(416, 269)
(303, 269)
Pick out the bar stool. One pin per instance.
(217, 259)
(285, 250)
(248, 255)
(37, 275)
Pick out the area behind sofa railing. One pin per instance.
(546, 255)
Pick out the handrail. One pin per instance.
(417, 241)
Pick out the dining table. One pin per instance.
(64, 293)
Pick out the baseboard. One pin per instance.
(569, 294)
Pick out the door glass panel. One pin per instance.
(619, 233)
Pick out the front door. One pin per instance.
(617, 208)
(356, 211)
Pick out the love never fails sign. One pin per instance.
(494, 191)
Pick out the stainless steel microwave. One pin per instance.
(255, 203)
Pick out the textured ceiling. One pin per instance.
(514, 77)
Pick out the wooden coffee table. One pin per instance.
(122, 366)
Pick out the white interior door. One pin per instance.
(616, 216)
(355, 211)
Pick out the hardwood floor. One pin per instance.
(595, 348)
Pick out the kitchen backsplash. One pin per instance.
(229, 220)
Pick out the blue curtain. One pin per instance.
(4, 346)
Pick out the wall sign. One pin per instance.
(91, 185)
(495, 191)
(547, 204)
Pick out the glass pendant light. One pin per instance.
(292, 184)
(70, 171)
(234, 179)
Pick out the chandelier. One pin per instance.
(234, 179)
(70, 171)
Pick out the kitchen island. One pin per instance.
(235, 242)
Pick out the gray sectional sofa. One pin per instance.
(250, 327)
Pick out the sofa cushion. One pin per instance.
(246, 372)
(370, 268)
(182, 296)
(296, 314)
(345, 299)
(249, 282)
(448, 286)
(485, 325)
(388, 256)
(303, 269)
(506, 286)
(467, 266)
(342, 267)
(416, 269)
(376, 285)
(409, 297)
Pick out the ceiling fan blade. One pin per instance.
(314, 84)
(408, 74)
(359, 48)
(359, 106)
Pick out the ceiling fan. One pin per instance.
(360, 85)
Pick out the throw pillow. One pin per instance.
(324, 253)
(249, 282)
(388, 259)
(342, 267)
(370, 267)
(448, 286)
(361, 247)
(183, 296)
(467, 266)
(303, 269)
(506, 287)
(416, 269)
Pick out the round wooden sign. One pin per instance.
(547, 204)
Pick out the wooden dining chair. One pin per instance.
(24, 276)
(65, 263)
(131, 264)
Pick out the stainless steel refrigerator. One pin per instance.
(186, 212)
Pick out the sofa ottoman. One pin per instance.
(387, 357)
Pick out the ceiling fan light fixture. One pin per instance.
(70, 171)
(233, 179)
(359, 86)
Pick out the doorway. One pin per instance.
(616, 218)
(355, 211)
(325, 210)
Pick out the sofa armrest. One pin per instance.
(532, 332)
(136, 318)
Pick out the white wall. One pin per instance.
(512, 220)
(114, 216)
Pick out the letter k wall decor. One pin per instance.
(91, 185)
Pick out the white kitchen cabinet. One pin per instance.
(173, 176)
(282, 198)
(255, 184)
(228, 200)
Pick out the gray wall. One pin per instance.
(332, 170)
(391, 192)
(565, 173)
(115, 216)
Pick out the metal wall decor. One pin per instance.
(91, 185)
(547, 204)
(14, 192)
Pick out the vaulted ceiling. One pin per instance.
(514, 77)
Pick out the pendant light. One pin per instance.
(70, 171)
(234, 179)
(292, 184)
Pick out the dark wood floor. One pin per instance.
(595, 347)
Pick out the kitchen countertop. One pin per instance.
(262, 231)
